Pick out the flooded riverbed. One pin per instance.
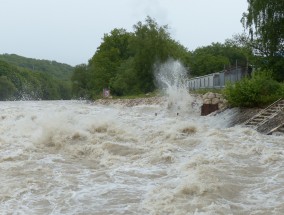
(74, 157)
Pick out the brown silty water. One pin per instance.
(69, 157)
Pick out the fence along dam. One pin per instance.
(218, 79)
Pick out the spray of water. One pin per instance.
(171, 78)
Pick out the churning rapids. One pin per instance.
(71, 157)
(75, 157)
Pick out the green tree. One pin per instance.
(125, 61)
(151, 45)
(65, 90)
(264, 20)
(126, 80)
(103, 66)
(216, 57)
(7, 88)
(80, 81)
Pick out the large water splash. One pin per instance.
(171, 78)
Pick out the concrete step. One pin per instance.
(259, 119)
(265, 115)
(278, 130)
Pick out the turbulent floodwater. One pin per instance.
(71, 157)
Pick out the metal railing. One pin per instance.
(218, 79)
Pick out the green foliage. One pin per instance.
(57, 70)
(259, 90)
(150, 45)
(125, 82)
(7, 88)
(103, 66)
(80, 79)
(264, 20)
(124, 62)
(25, 84)
(216, 57)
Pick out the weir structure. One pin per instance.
(270, 120)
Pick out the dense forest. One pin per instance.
(19, 83)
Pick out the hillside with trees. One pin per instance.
(23, 84)
(58, 70)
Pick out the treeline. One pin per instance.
(23, 84)
(125, 61)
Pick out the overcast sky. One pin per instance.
(69, 31)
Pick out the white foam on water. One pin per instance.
(171, 77)
(69, 157)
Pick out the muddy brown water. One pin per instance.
(71, 157)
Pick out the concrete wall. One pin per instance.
(217, 80)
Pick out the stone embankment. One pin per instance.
(215, 99)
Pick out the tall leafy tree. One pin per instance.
(264, 20)
(150, 44)
(125, 61)
(110, 54)
(80, 81)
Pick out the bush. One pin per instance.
(259, 90)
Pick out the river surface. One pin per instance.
(74, 157)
